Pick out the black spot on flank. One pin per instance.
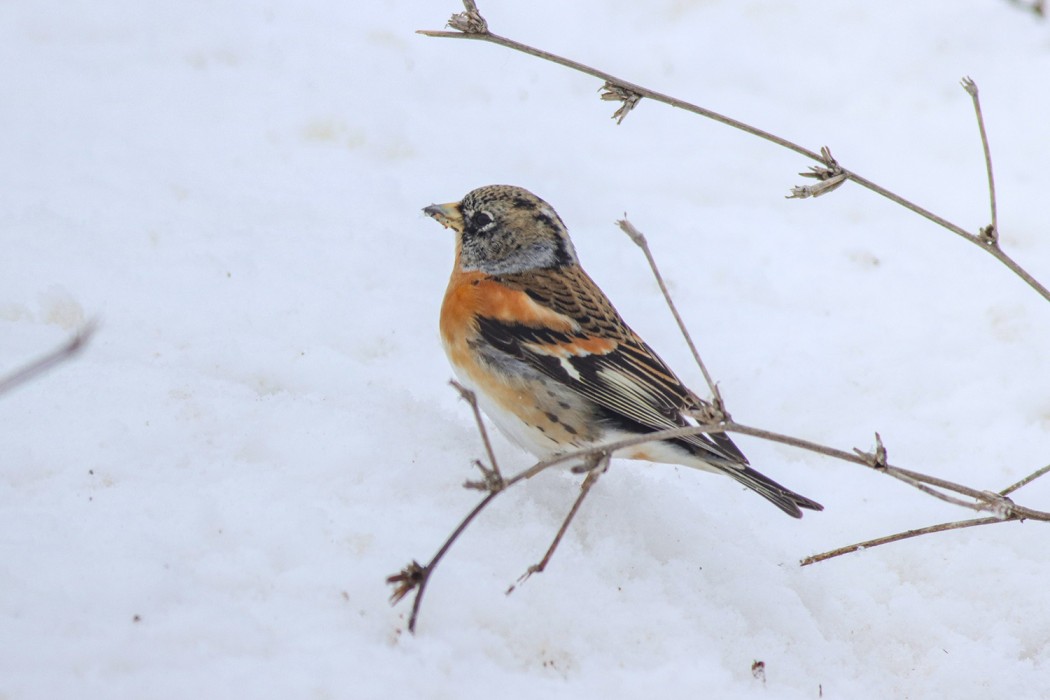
(569, 429)
(541, 428)
(563, 404)
(552, 417)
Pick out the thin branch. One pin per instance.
(492, 478)
(990, 234)
(1011, 512)
(943, 527)
(598, 465)
(639, 239)
(65, 352)
(985, 500)
(624, 85)
(1025, 481)
(625, 91)
(416, 577)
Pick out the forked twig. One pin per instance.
(65, 352)
(470, 25)
(492, 479)
(1008, 511)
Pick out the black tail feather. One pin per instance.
(783, 498)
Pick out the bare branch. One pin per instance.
(860, 546)
(639, 239)
(989, 234)
(597, 465)
(1007, 511)
(825, 185)
(984, 500)
(415, 577)
(624, 85)
(66, 351)
(1025, 481)
(595, 461)
(493, 479)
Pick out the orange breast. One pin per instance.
(473, 294)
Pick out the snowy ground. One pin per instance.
(207, 502)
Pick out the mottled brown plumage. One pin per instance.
(550, 359)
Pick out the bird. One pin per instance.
(549, 358)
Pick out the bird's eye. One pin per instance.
(482, 220)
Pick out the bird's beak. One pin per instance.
(448, 215)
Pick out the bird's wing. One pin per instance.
(599, 356)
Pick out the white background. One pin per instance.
(207, 502)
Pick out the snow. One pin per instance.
(208, 500)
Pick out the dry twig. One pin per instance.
(861, 546)
(627, 92)
(66, 351)
(492, 479)
(718, 412)
(988, 234)
(597, 465)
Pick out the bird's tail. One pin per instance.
(717, 452)
(783, 498)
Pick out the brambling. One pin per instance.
(549, 358)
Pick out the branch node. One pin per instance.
(711, 414)
(464, 393)
(592, 462)
(636, 236)
(627, 98)
(469, 22)
(998, 505)
(829, 176)
(491, 480)
(969, 86)
(989, 236)
(406, 581)
(877, 459)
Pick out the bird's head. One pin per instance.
(503, 229)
